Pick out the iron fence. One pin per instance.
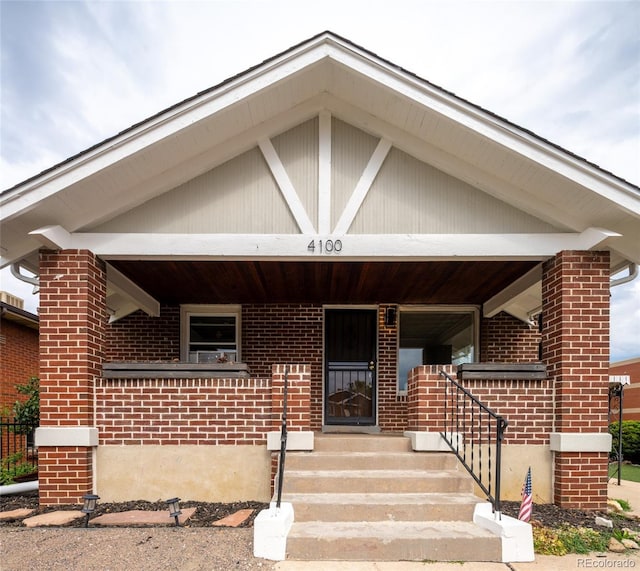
(18, 453)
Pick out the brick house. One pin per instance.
(631, 398)
(19, 352)
(329, 214)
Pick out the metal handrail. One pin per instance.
(466, 414)
(283, 437)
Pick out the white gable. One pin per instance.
(325, 139)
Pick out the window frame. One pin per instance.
(474, 310)
(208, 310)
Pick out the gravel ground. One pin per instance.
(120, 549)
(193, 547)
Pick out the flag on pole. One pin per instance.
(526, 506)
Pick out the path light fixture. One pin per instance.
(174, 509)
(90, 501)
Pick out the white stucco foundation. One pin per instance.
(204, 473)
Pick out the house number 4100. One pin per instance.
(325, 246)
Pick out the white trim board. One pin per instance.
(296, 246)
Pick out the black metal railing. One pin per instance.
(283, 437)
(18, 453)
(474, 433)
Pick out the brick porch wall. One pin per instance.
(72, 319)
(183, 411)
(575, 341)
(526, 404)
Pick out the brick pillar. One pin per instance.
(575, 338)
(298, 397)
(425, 398)
(72, 322)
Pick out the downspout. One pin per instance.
(633, 274)
(20, 488)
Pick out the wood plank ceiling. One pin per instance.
(331, 282)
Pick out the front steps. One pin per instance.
(371, 498)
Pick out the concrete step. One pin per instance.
(361, 443)
(371, 460)
(366, 507)
(376, 481)
(392, 541)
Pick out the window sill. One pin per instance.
(497, 371)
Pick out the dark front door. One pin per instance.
(350, 366)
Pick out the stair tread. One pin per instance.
(389, 530)
(365, 473)
(381, 498)
(404, 453)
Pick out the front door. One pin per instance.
(350, 366)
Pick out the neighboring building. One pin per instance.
(329, 212)
(631, 392)
(19, 353)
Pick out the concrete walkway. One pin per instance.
(627, 490)
(542, 563)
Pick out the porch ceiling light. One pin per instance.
(174, 509)
(90, 501)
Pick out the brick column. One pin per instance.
(575, 338)
(425, 398)
(72, 322)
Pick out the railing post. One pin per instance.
(283, 436)
(500, 428)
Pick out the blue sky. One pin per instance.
(74, 73)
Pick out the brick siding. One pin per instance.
(505, 339)
(138, 337)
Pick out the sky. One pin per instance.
(74, 73)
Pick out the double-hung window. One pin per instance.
(210, 333)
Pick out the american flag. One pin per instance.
(527, 499)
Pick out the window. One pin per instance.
(435, 336)
(210, 333)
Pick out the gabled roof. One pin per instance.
(326, 73)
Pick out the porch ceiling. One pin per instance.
(468, 282)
